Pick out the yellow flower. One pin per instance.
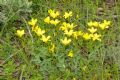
(71, 26)
(64, 26)
(47, 20)
(92, 30)
(104, 25)
(93, 24)
(52, 48)
(45, 39)
(40, 32)
(20, 33)
(106, 22)
(68, 33)
(53, 14)
(32, 22)
(76, 34)
(70, 54)
(90, 23)
(65, 41)
(67, 14)
(54, 22)
(86, 36)
(96, 37)
(35, 28)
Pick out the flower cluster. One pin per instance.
(38, 30)
(95, 26)
(68, 30)
(52, 14)
(104, 25)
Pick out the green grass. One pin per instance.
(28, 57)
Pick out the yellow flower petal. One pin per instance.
(52, 48)
(70, 54)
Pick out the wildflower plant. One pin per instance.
(59, 38)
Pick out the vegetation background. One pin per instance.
(23, 59)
